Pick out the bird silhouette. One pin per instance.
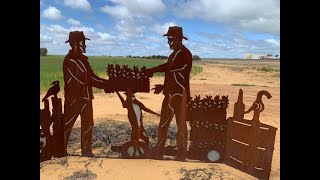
(54, 90)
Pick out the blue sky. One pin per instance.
(215, 28)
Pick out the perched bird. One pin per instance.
(54, 90)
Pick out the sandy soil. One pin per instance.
(216, 78)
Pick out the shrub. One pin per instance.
(43, 51)
(196, 58)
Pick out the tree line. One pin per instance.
(194, 57)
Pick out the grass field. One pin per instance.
(51, 68)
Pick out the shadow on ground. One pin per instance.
(112, 132)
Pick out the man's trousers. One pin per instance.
(72, 109)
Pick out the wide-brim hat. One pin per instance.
(175, 31)
(76, 36)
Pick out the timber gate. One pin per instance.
(250, 143)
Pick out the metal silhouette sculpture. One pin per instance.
(244, 144)
(79, 79)
(51, 129)
(54, 90)
(176, 87)
(138, 146)
(123, 78)
(208, 124)
(250, 143)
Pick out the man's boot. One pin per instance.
(181, 157)
(88, 154)
(156, 153)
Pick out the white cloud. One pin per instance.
(232, 45)
(74, 22)
(45, 39)
(116, 11)
(78, 4)
(52, 13)
(129, 29)
(53, 37)
(134, 8)
(250, 15)
(162, 29)
(275, 42)
(106, 36)
(155, 40)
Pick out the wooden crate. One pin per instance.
(123, 77)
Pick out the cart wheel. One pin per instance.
(128, 151)
(213, 156)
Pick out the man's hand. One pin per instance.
(158, 88)
(107, 87)
(108, 90)
(149, 72)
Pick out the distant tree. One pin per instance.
(196, 58)
(43, 51)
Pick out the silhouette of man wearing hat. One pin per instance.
(176, 91)
(79, 79)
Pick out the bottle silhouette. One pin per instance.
(239, 107)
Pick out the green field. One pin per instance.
(51, 68)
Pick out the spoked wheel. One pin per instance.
(129, 151)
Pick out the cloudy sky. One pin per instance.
(215, 28)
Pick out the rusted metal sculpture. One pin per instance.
(138, 146)
(79, 79)
(250, 143)
(123, 78)
(244, 144)
(208, 132)
(51, 127)
(207, 118)
(176, 87)
(45, 135)
(54, 90)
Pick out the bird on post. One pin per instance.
(54, 90)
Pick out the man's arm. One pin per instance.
(160, 68)
(95, 80)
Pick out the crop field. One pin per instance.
(51, 67)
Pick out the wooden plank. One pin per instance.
(235, 163)
(238, 150)
(238, 130)
(58, 139)
(265, 138)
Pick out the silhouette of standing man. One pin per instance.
(78, 81)
(176, 91)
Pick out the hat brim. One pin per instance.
(85, 38)
(182, 36)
